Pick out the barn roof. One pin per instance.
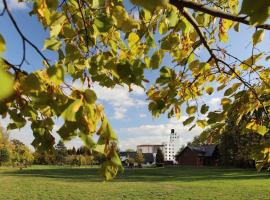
(204, 150)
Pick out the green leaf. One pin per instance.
(87, 140)
(106, 132)
(90, 96)
(68, 130)
(258, 37)
(103, 23)
(258, 11)
(32, 82)
(57, 21)
(163, 27)
(215, 117)
(232, 89)
(150, 5)
(69, 114)
(156, 59)
(262, 130)
(173, 18)
(2, 44)
(98, 4)
(109, 170)
(188, 120)
(204, 109)
(191, 110)
(56, 74)
(6, 82)
(52, 44)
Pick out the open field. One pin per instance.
(51, 183)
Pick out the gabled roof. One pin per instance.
(131, 154)
(204, 150)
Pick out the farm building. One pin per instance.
(199, 155)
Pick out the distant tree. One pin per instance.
(159, 158)
(130, 150)
(4, 154)
(130, 161)
(83, 151)
(60, 152)
(73, 151)
(21, 155)
(139, 158)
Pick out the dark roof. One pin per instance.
(204, 150)
(131, 154)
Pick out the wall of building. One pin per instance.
(172, 146)
(188, 157)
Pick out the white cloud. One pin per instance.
(120, 99)
(142, 115)
(215, 103)
(155, 134)
(15, 5)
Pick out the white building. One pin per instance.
(149, 148)
(172, 146)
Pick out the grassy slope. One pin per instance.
(52, 183)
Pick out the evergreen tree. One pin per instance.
(159, 158)
(60, 152)
(4, 154)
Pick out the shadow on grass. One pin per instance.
(184, 174)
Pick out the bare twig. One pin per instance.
(25, 39)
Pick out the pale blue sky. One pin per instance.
(127, 112)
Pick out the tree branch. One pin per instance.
(85, 28)
(25, 40)
(180, 4)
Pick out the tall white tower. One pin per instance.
(172, 146)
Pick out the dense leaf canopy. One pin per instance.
(104, 42)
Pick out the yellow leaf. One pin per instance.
(191, 110)
(2, 44)
(133, 39)
(209, 90)
(6, 83)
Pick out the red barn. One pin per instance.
(199, 155)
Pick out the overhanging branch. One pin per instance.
(180, 4)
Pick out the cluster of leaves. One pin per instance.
(101, 41)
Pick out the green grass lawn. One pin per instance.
(52, 183)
